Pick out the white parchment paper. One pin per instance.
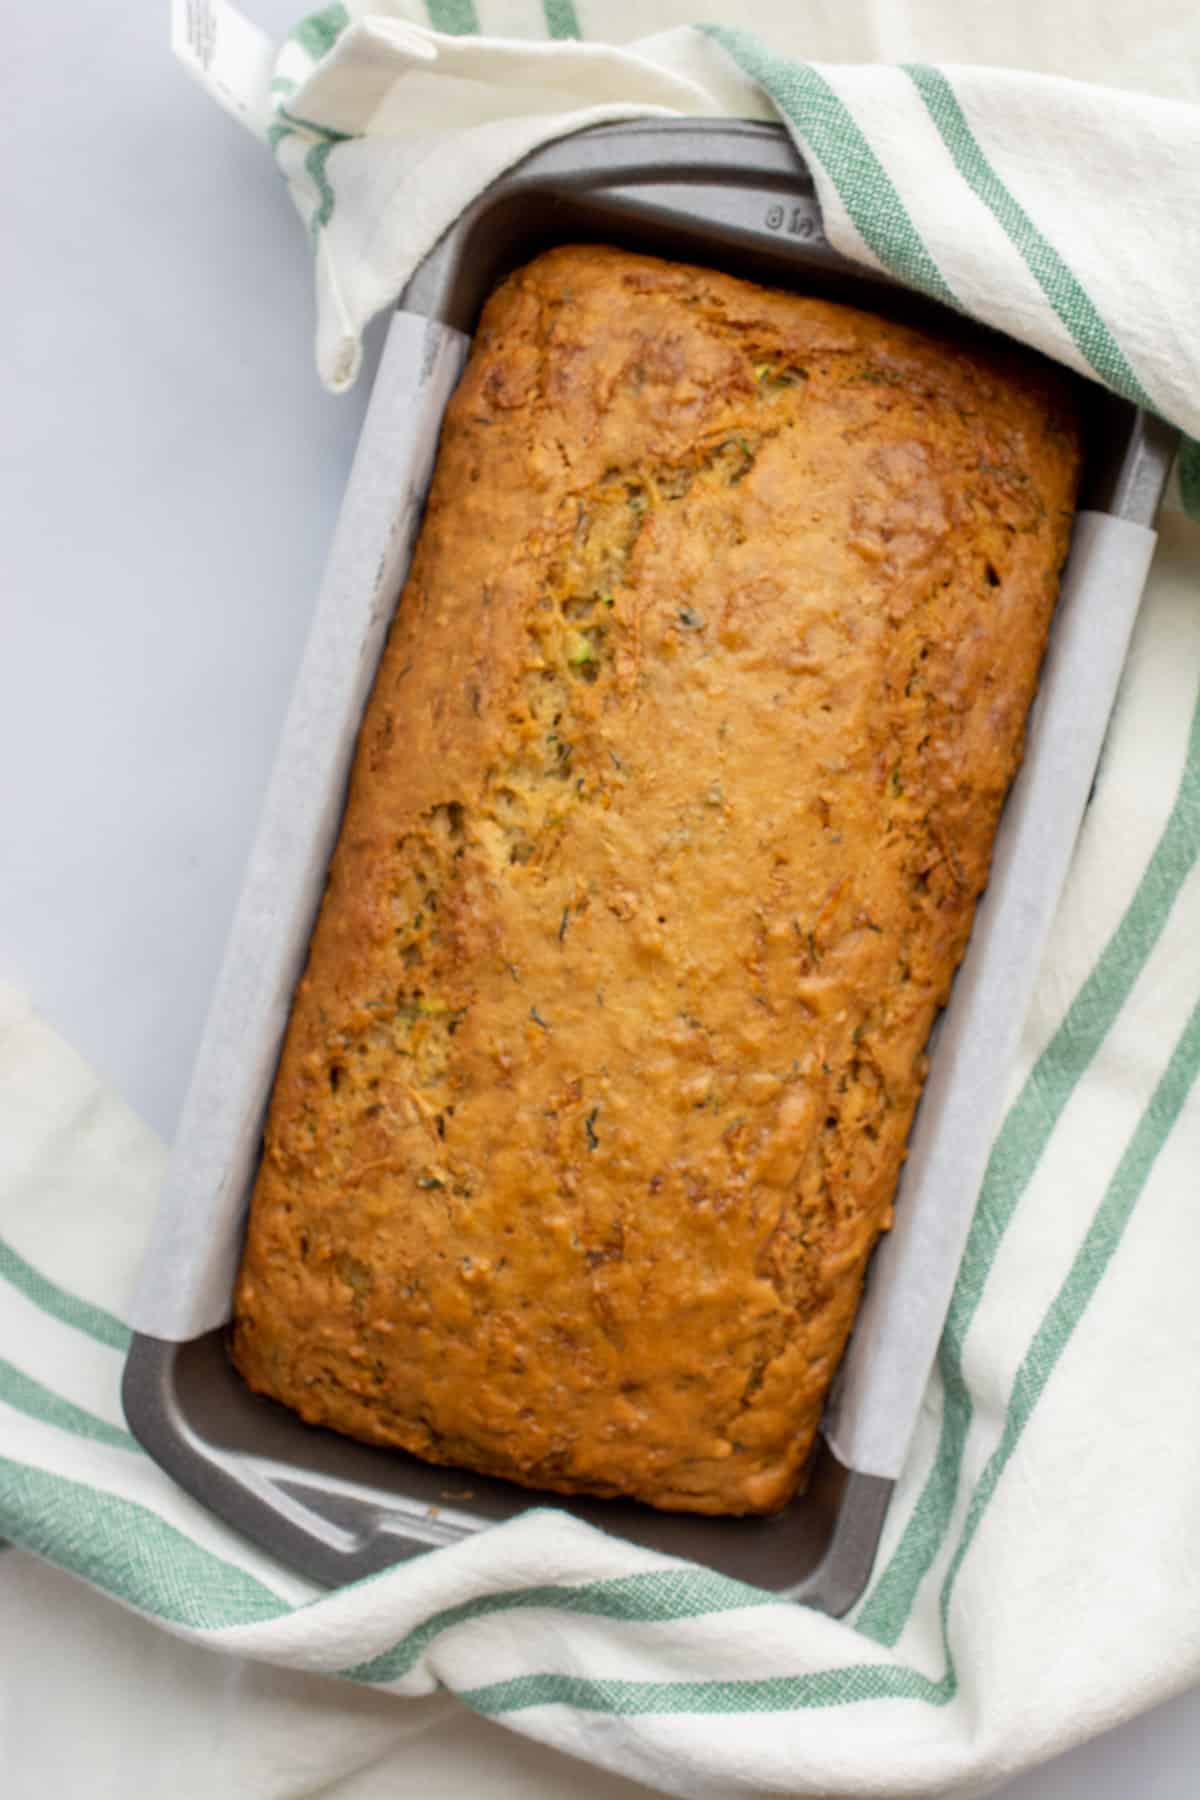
(187, 1279)
(872, 1415)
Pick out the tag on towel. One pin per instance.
(228, 55)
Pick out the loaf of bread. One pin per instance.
(669, 814)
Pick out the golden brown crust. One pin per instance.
(669, 813)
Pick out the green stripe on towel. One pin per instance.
(562, 21)
(315, 162)
(1067, 295)
(457, 18)
(126, 1550)
(829, 130)
(781, 1693)
(661, 1594)
(36, 1401)
(81, 1315)
(320, 31)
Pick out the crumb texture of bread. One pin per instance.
(669, 813)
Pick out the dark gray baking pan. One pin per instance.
(736, 196)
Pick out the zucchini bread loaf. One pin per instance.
(670, 810)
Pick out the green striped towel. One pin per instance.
(1036, 1580)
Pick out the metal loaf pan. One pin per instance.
(732, 195)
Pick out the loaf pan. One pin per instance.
(735, 196)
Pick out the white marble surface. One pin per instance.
(171, 472)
